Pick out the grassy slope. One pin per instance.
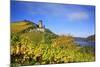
(17, 27)
(20, 26)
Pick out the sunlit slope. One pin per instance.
(21, 25)
(35, 36)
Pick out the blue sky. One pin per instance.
(76, 20)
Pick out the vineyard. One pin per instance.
(46, 48)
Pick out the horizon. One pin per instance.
(76, 20)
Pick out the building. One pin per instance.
(40, 27)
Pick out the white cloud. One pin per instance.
(77, 16)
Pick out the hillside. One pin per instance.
(25, 25)
(20, 26)
(33, 44)
(91, 38)
(23, 28)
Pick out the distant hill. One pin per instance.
(91, 38)
(79, 39)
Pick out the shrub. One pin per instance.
(64, 42)
(61, 50)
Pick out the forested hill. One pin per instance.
(91, 38)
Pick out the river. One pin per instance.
(84, 43)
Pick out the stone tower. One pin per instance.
(40, 24)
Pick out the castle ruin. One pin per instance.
(40, 27)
